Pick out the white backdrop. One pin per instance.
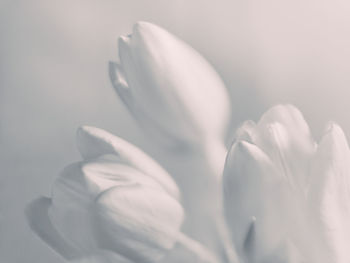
(54, 77)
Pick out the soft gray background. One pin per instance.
(53, 78)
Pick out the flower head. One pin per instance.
(284, 192)
(285, 199)
(169, 87)
(117, 199)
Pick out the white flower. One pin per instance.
(117, 199)
(286, 198)
(170, 88)
(178, 97)
(181, 102)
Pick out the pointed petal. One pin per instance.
(289, 116)
(138, 222)
(329, 196)
(39, 222)
(255, 194)
(285, 136)
(120, 84)
(173, 85)
(78, 186)
(93, 142)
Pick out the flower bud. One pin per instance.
(108, 202)
(171, 90)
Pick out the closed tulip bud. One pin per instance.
(109, 202)
(171, 90)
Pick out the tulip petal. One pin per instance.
(93, 142)
(39, 222)
(69, 211)
(290, 117)
(285, 136)
(78, 186)
(120, 84)
(107, 171)
(139, 223)
(122, 88)
(257, 204)
(329, 196)
(173, 85)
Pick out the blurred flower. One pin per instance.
(282, 191)
(172, 91)
(122, 200)
(287, 198)
(182, 104)
(117, 200)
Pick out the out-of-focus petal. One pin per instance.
(69, 211)
(258, 207)
(291, 118)
(93, 142)
(119, 82)
(138, 222)
(329, 195)
(171, 85)
(39, 222)
(285, 137)
(78, 186)
(246, 131)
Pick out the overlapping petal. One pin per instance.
(110, 202)
(285, 136)
(169, 87)
(329, 195)
(93, 142)
(258, 205)
(287, 198)
(140, 223)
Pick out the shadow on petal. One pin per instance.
(38, 220)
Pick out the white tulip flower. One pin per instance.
(171, 90)
(117, 205)
(287, 198)
(181, 102)
(280, 197)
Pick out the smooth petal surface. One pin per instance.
(285, 137)
(329, 196)
(72, 210)
(138, 222)
(93, 142)
(39, 222)
(257, 206)
(72, 194)
(313, 194)
(171, 85)
(120, 84)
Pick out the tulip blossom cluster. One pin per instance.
(274, 196)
